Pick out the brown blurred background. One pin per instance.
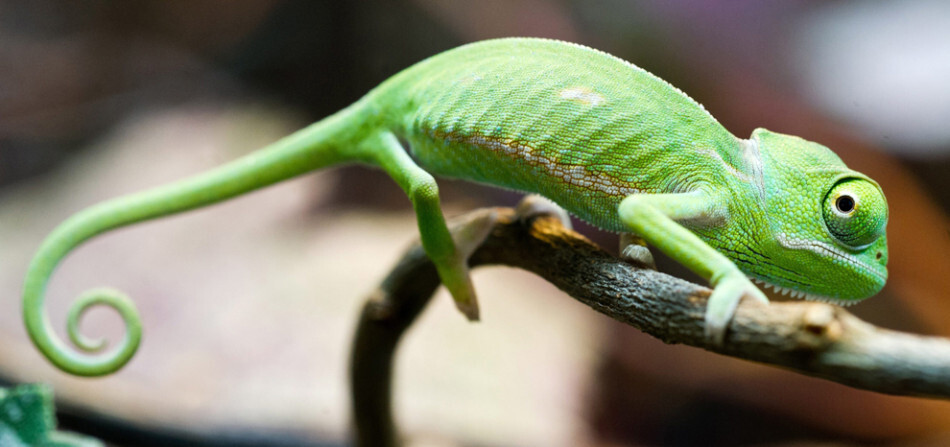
(248, 306)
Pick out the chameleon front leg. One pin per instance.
(654, 217)
(450, 257)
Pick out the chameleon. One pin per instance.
(607, 141)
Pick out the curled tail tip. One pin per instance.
(82, 364)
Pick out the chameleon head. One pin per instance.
(825, 236)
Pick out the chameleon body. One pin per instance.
(609, 142)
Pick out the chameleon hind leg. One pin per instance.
(449, 256)
(654, 217)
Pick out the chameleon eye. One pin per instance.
(844, 204)
(855, 212)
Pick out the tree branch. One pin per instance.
(811, 338)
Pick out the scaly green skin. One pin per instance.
(609, 142)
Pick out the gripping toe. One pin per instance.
(722, 304)
(534, 205)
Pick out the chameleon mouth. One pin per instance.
(804, 295)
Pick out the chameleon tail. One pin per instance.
(321, 144)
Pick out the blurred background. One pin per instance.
(249, 306)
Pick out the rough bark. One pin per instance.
(810, 338)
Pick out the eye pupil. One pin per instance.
(845, 204)
(855, 213)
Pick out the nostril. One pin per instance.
(880, 255)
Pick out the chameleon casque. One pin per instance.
(609, 142)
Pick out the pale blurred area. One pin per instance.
(249, 306)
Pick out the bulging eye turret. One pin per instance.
(855, 212)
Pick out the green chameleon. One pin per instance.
(609, 142)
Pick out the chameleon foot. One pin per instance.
(467, 235)
(633, 249)
(721, 307)
(534, 205)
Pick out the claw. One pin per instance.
(458, 281)
(722, 304)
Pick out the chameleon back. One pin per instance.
(579, 126)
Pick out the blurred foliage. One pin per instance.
(27, 420)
